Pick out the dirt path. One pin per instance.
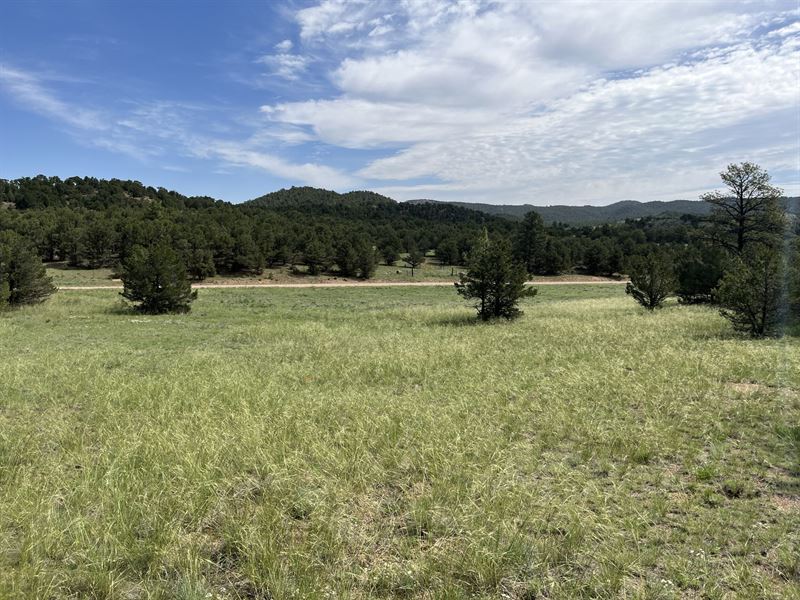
(337, 284)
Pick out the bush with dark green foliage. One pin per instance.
(652, 279)
(23, 279)
(156, 279)
(317, 256)
(555, 259)
(447, 252)
(753, 292)
(367, 260)
(390, 255)
(699, 271)
(347, 259)
(603, 256)
(200, 264)
(794, 280)
(494, 280)
(356, 257)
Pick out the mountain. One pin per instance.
(365, 205)
(92, 193)
(588, 215)
(303, 197)
(593, 215)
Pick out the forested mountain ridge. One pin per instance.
(91, 193)
(99, 194)
(42, 192)
(92, 223)
(364, 204)
(597, 215)
(587, 215)
(303, 196)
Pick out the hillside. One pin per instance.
(593, 215)
(360, 205)
(99, 194)
(90, 192)
(587, 215)
(299, 197)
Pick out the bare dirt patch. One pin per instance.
(787, 503)
(748, 388)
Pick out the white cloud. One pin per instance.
(158, 128)
(582, 101)
(288, 66)
(492, 101)
(354, 123)
(29, 91)
(663, 131)
(236, 154)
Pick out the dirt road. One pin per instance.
(336, 284)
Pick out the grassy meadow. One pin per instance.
(430, 271)
(379, 443)
(63, 275)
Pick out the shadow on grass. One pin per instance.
(121, 307)
(466, 320)
(61, 266)
(459, 320)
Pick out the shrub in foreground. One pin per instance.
(753, 292)
(494, 280)
(156, 279)
(652, 279)
(23, 278)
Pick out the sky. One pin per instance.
(476, 101)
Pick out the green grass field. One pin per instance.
(429, 271)
(379, 443)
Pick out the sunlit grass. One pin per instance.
(369, 443)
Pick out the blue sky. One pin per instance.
(500, 102)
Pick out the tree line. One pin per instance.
(94, 223)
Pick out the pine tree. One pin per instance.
(347, 259)
(753, 292)
(317, 256)
(200, 264)
(23, 278)
(415, 259)
(748, 211)
(494, 280)
(530, 243)
(367, 259)
(5, 286)
(652, 279)
(794, 278)
(156, 278)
